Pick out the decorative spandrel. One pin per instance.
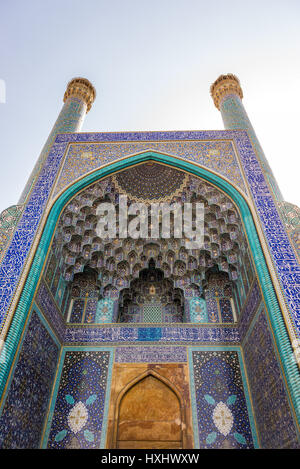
(217, 156)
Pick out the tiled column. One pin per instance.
(227, 95)
(78, 99)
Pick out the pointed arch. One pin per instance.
(277, 311)
(170, 392)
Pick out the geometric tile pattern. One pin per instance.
(284, 257)
(70, 119)
(251, 304)
(24, 410)
(150, 183)
(221, 408)
(291, 218)
(222, 228)
(79, 407)
(14, 258)
(273, 414)
(235, 117)
(152, 312)
(50, 310)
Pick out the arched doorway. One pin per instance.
(149, 415)
(250, 230)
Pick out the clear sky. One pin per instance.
(152, 63)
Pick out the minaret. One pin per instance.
(227, 94)
(78, 99)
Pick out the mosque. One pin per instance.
(142, 341)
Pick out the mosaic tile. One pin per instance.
(79, 408)
(50, 310)
(83, 158)
(8, 221)
(77, 311)
(149, 333)
(249, 309)
(118, 264)
(91, 311)
(19, 248)
(273, 414)
(150, 182)
(235, 117)
(105, 311)
(219, 395)
(13, 260)
(221, 409)
(25, 406)
(70, 119)
(198, 310)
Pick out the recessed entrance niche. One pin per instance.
(151, 298)
(149, 416)
(149, 280)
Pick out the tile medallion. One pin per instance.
(220, 407)
(78, 417)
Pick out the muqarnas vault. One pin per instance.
(143, 343)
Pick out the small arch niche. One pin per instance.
(151, 298)
(149, 416)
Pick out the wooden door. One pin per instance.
(149, 416)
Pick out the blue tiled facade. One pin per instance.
(24, 408)
(78, 418)
(224, 358)
(220, 407)
(275, 420)
(280, 247)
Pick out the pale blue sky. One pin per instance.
(152, 63)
